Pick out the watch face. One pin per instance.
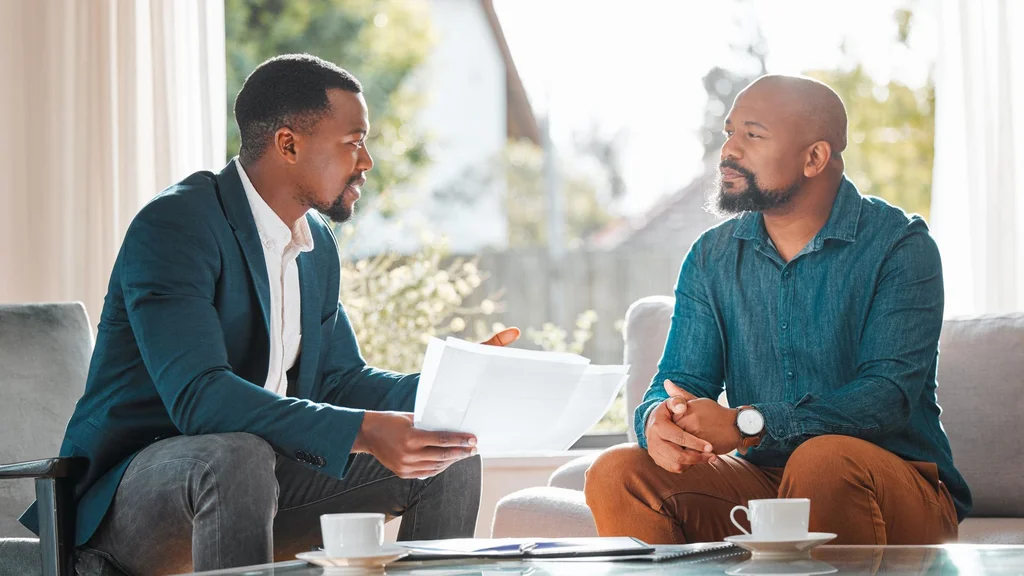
(750, 422)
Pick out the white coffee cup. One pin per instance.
(352, 534)
(779, 519)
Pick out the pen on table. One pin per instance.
(526, 547)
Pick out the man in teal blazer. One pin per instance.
(227, 405)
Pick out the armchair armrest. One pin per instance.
(45, 468)
(572, 474)
(54, 479)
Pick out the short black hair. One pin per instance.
(287, 90)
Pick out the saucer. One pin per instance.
(387, 554)
(780, 548)
(801, 567)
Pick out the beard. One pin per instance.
(338, 211)
(753, 198)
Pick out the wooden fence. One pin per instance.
(536, 291)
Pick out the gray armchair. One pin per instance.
(981, 391)
(44, 359)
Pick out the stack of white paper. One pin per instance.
(513, 400)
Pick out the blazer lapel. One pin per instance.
(239, 215)
(309, 293)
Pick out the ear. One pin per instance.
(819, 155)
(285, 144)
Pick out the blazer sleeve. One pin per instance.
(349, 382)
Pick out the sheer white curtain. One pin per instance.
(978, 186)
(103, 103)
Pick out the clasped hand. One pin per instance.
(685, 430)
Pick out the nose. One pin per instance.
(731, 150)
(365, 161)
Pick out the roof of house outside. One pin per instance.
(521, 121)
(673, 222)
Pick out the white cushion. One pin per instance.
(543, 512)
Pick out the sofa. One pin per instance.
(981, 391)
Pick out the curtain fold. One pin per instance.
(978, 180)
(106, 102)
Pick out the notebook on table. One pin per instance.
(535, 548)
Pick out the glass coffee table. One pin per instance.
(948, 559)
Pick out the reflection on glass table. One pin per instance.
(882, 560)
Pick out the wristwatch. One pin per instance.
(750, 422)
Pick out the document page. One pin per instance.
(513, 400)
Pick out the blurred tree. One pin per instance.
(891, 130)
(608, 152)
(382, 42)
(891, 137)
(722, 85)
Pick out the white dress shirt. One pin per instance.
(281, 246)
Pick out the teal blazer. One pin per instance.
(183, 346)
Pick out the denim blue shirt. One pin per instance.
(843, 339)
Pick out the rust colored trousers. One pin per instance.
(862, 493)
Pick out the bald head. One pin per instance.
(784, 133)
(805, 106)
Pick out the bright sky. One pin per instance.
(634, 68)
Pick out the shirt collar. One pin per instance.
(841, 224)
(749, 226)
(274, 233)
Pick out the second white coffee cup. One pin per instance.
(778, 519)
(352, 534)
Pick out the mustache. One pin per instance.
(733, 165)
(357, 180)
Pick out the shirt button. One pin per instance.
(789, 374)
(785, 325)
(786, 274)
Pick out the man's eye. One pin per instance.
(358, 144)
(727, 133)
(752, 135)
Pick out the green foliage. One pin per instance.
(382, 42)
(397, 303)
(891, 137)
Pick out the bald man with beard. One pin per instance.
(818, 311)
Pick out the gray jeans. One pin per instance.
(195, 503)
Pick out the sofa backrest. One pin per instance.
(44, 359)
(981, 392)
(645, 332)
